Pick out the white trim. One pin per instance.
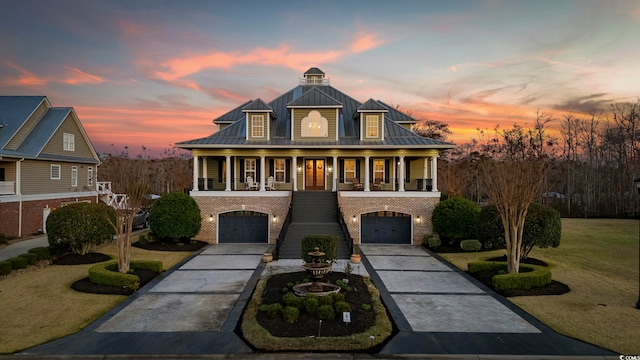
(337, 125)
(377, 126)
(293, 124)
(36, 197)
(390, 194)
(59, 172)
(382, 126)
(74, 176)
(240, 194)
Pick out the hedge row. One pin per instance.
(107, 273)
(530, 276)
(326, 243)
(21, 261)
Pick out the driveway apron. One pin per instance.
(439, 309)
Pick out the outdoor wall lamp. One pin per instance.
(355, 219)
(211, 218)
(330, 169)
(418, 219)
(275, 218)
(299, 168)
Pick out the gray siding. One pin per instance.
(36, 177)
(55, 144)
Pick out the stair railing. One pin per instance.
(283, 231)
(345, 231)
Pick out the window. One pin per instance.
(90, 176)
(55, 172)
(250, 168)
(371, 122)
(68, 142)
(257, 126)
(314, 125)
(349, 169)
(279, 170)
(2, 174)
(378, 170)
(74, 176)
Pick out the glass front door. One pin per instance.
(314, 174)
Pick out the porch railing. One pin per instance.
(7, 187)
(389, 184)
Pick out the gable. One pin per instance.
(18, 115)
(54, 146)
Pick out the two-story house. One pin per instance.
(315, 138)
(46, 161)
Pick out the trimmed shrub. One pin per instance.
(542, 228)
(530, 276)
(5, 267)
(18, 263)
(3, 239)
(489, 228)
(342, 306)
(272, 310)
(431, 241)
(175, 216)
(311, 304)
(456, 218)
(42, 252)
(325, 312)
(31, 258)
(326, 243)
(107, 273)
(470, 245)
(326, 300)
(290, 314)
(80, 227)
(291, 299)
(337, 297)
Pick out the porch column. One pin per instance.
(205, 173)
(294, 172)
(334, 176)
(434, 173)
(366, 173)
(425, 173)
(262, 166)
(401, 180)
(228, 174)
(195, 172)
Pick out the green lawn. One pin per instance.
(598, 259)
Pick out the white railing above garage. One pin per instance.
(7, 187)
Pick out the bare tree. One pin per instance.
(432, 129)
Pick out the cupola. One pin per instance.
(314, 76)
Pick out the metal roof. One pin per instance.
(14, 112)
(232, 115)
(257, 105)
(314, 71)
(315, 98)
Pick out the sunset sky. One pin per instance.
(153, 73)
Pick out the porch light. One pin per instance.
(355, 219)
(418, 219)
(330, 169)
(299, 168)
(274, 219)
(211, 218)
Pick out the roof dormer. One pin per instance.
(258, 118)
(371, 118)
(314, 76)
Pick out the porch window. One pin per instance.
(250, 168)
(74, 176)
(55, 172)
(314, 125)
(378, 170)
(257, 126)
(349, 169)
(68, 142)
(371, 123)
(90, 176)
(280, 170)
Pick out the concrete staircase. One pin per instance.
(313, 213)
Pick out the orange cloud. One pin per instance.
(177, 68)
(78, 76)
(26, 78)
(365, 42)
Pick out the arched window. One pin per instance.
(314, 125)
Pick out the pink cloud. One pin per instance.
(25, 78)
(77, 76)
(365, 42)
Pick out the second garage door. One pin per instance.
(386, 227)
(243, 227)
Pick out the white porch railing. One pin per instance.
(118, 201)
(7, 187)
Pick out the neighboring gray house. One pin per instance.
(46, 161)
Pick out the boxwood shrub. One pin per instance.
(326, 243)
(455, 219)
(290, 314)
(5, 267)
(432, 241)
(42, 252)
(325, 312)
(31, 258)
(470, 245)
(107, 273)
(18, 263)
(530, 276)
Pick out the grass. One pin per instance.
(598, 259)
(39, 305)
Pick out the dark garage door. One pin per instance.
(243, 227)
(386, 227)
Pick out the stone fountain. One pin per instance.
(317, 269)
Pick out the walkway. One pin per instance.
(22, 247)
(437, 309)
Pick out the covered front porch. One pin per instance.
(314, 170)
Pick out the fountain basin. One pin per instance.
(315, 289)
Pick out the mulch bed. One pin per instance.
(86, 286)
(76, 259)
(190, 245)
(308, 325)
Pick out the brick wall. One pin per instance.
(32, 215)
(416, 206)
(272, 205)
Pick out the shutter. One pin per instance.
(258, 171)
(272, 163)
(340, 170)
(407, 171)
(358, 170)
(370, 170)
(242, 179)
(287, 169)
(220, 171)
(387, 165)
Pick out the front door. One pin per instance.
(314, 175)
